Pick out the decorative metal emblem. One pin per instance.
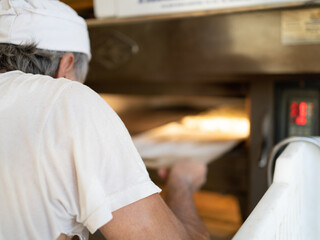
(113, 49)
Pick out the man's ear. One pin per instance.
(66, 67)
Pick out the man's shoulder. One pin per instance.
(41, 83)
(22, 79)
(41, 88)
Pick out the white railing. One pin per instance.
(290, 209)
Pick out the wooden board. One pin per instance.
(164, 154)
(203, 137)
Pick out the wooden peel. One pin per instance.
(163, 146)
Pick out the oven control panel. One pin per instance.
(298, 114)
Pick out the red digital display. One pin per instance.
(300, 111)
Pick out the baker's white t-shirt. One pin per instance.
(66, 159)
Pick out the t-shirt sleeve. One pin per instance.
(107, 171)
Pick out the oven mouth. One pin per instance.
(166, 129)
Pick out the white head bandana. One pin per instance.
(50, 24)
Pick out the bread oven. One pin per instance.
(160, 71)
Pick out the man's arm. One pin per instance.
(184, 179)
(151, 218)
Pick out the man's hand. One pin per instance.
(190, 174)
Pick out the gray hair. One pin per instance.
(29, 59)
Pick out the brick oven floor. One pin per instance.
(221, 214)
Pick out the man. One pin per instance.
(67, 163)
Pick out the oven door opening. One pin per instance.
(214, 130)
